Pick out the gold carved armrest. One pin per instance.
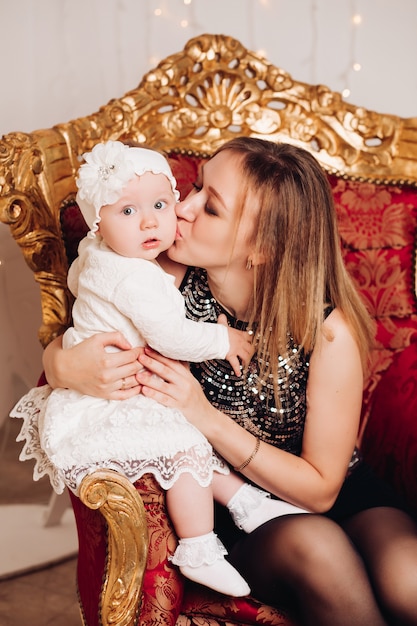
(122, 507)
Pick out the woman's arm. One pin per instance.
(334, 396)
(90, 369)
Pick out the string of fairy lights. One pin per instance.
(353, 65)
(186, 19)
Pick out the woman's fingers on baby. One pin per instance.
(124, 358)
(128, 382)
(151, 366)
(122, 368)
(124, 388)
(158, 364)
(125, 394)
(157, 376)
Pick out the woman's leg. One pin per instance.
(387, 540)
(200, 554)
(307, 563)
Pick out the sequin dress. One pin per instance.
(248, 402)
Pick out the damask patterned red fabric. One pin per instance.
(377, 225)
(203, 606)
(163, 586)
(392, 425)
(92, 553)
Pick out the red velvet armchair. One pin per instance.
(190, 104)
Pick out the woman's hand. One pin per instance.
(90, 369)
(171, 383)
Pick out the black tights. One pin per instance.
(309, 565)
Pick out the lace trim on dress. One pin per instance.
(29, 410)
(197, 459)
(165, 471)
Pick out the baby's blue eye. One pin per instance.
(128, 210)
(160, 204)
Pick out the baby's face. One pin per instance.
(142, 223)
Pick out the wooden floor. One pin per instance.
(39, 598)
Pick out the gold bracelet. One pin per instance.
(250, 458)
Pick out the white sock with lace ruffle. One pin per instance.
(201, 559)
(251, 507)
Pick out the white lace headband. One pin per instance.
(107, 170)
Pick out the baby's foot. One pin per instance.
(201, 559)
(220, 576)
(251, 507)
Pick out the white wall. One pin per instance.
(62, 59)
(20, 317)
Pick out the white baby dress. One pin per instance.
(69, 434)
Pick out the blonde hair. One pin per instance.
(296, 232)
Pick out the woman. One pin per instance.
(261, 223)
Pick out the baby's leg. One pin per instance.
(190, 507)
(249, 506)
(200, 554)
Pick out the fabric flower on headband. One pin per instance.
(106, 171)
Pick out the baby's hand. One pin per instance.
(240, 346)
